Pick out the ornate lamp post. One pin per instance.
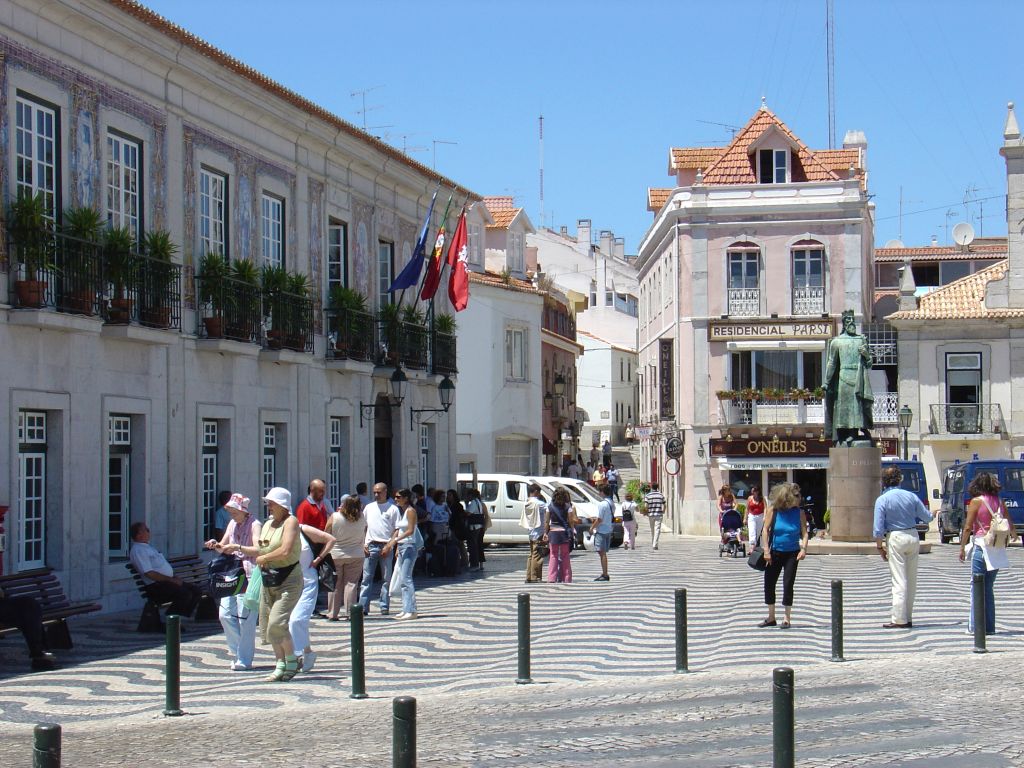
(905, 418)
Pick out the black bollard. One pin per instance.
(523, 676)
(837, 620)
(403, 732)
(682, 652)
(355, 619)
(172, 668)
(783, 739)
(46, 750)
(978, 611)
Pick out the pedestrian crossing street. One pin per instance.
(465, 639)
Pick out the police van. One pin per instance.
(955, 498)
(913, 481)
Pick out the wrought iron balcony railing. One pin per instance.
(413, 345)
(764, 412)
(966, 418)
(885, 408)
(351, 335)
(744, 302)
(288, 321)
(230, 309)
(808, 300)
(442, 353)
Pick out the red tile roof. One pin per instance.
(737, 164)
(497, 281)
(203, 48)
(692, 158)
(502, 217)
(498, 202)
(963, 299)
(942, 253)
(656, 198)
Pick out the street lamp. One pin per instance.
(445, 393)
(397, 384)
(559, 385)
(905, 417)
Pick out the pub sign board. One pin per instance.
(783, 447)
(789, 329)
(665, 371)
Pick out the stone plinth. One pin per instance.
(854, 482)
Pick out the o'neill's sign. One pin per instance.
(781, 451)
(770, 330)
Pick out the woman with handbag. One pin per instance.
(315, 547)
(408, 542)
(559, 530)
(239, 622)
(784, 541)
(476, 522)
(348, 527)
(986, 532)
(277, 554)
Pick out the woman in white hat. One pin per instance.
(239, 622)
(277, 554)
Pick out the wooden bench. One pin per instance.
(189, 568)
(43, 586)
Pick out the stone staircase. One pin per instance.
(627, 460)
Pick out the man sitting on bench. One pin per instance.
(162, 586)
(25, 614)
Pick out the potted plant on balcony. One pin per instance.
(32, 233)
(274, 282)
(214, 272)
(83, 228)
(391, 321)
(243, 314)
(726, 394)
(297, 317)
(119, 257)
(352, 327)
(445, 323)
(155, 289)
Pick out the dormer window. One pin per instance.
(773, 166)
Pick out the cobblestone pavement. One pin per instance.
(602, 663)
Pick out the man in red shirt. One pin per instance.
(313, 510)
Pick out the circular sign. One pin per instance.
(672, 466)
(674, 447)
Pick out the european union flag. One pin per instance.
(409, 276)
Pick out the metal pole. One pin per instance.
(837, 620)
(172, 668)
(783, 740)
(523, 676)
(403, 732)
(46, 749)
(682, 661)
(978, 611)
(355, 620)
(905, 443)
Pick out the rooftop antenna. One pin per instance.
(900, 216)
(963, 235)
(406, 149)
(950, 214)
(440, 141)
(362, 95)
(733, 129)
(830, 53)
(541, 133)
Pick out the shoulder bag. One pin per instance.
(227, 576)
(756, 558)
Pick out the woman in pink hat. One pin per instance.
(238, 621)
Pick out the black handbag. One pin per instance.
(756, 558)
(227, 576)
(326, 574)
(275, 577)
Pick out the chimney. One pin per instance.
(564, 231)
(606, 242)
(619, 248)
(935, 241)
(1013, 151)
(908, 301)
(857, 140)
(583, 231)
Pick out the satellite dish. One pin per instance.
(894, 243)
(963, 233)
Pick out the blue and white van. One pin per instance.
(955, 498)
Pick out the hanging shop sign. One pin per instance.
(665, 378)
(770, 330)
(674, 447)
(643, 433)
(672, 466)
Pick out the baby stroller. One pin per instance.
(729, 523)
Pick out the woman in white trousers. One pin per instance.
(298, 623)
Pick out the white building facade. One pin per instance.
(113, 419)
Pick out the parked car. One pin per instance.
(585, 498)
(913, 481)
(954, 497)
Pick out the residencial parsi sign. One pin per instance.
(736, 330)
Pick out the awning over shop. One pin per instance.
(763, 463)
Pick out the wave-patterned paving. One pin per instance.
(465, 639)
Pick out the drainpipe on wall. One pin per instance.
(3, 537)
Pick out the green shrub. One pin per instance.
(638, 489)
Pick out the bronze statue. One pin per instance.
(848, 397)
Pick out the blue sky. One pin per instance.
(619, 83)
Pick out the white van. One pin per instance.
(505, 498)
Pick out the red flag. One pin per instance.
(458, 251)
(433, 277)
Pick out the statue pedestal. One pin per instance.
(854, 482)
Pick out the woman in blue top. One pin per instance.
(784, 540)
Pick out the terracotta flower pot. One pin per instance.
(31, 293)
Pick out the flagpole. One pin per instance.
(440, 277)
(426, 224)
(444, 222)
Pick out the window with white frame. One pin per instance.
(744, 282)
(31, 522)
(515, 251)
(808, 281)
(209, 473)
(385, 271)
(124, 168)
(118, 498)
(773, 166)
(334, 483)
(269, 457)
(213, 212)
(476, 244)
(425, 452)
(514, 455)
(337, 254)
(272, 230)
(516, 351)
(36, 160)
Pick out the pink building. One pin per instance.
(749, 263)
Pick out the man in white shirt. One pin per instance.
(381, 518)
(162, 586)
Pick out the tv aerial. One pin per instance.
(963, 234)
